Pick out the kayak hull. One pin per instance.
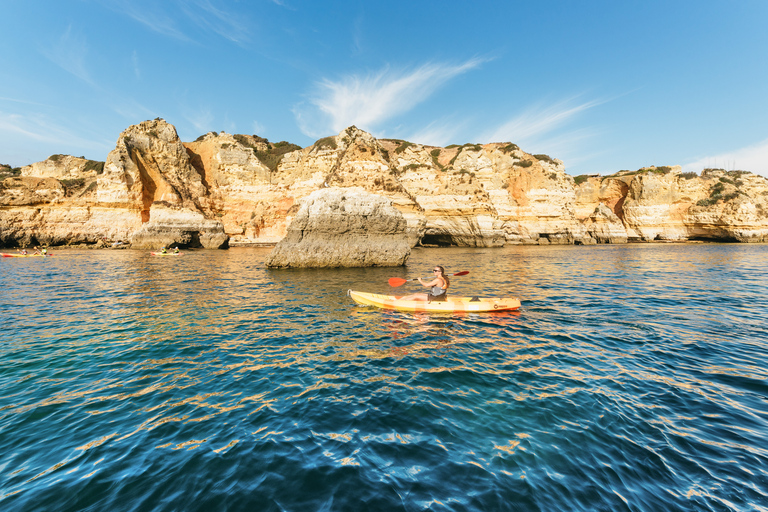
(167, 253)
(452, 305)
(10, 255)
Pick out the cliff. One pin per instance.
(155, 189)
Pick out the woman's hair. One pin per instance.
(442, 274)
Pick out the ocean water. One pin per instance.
(633, 377)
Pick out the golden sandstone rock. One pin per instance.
(243, 189)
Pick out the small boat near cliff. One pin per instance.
(11, 255)
(166, 253)
(452, 305)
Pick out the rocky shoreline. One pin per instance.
(242, 190)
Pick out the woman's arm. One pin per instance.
(434, 282)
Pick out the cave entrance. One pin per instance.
(441, 240)
(714, 240)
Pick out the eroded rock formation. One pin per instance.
(146, 192)
(345, 227)
(154, 189)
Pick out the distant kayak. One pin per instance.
(11, 255)
(167, 253)
(452, 305)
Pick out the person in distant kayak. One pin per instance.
(163, 250)
(438, 287)
(23, 252)
(175, 250)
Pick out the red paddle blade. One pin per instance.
(462, 273)
(397, 281)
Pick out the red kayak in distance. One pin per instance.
(11, 255)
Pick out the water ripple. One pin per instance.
(633, 378)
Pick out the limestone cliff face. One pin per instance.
(154, 189)
(664, 204)
(150, 165)
(244, 193)
(78, 202)
(64, 167)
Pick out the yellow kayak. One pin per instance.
(452, 305)
(167, 253)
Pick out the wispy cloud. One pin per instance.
(751, 158)
(42, 129)
(216, 20)
(438, 133)
(204, 14)
(367, 100)
(152, 16)
(24, 102)
(538, 122)
(201, 118)
(135, 62)
(14, 123)
(357, 35)
(69, 52)
(131, 109)
(258, 128)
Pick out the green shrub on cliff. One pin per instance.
(93, 165)
(403, 146)
(689, 175)
(435, 154)
(543, 157)
(581, 178)
(246, 141)
(204, 135)
(326, 143)
(470, 146)
(271, 158)
(509, 148)
(7, 172)
(524, 163)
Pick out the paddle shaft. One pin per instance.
(399, 281)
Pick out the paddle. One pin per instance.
(399, 281)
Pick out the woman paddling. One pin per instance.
(439, 287)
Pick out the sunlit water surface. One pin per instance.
(633, 378)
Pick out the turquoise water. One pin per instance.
(633, 378)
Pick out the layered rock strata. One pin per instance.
(472, 195)
(146, 192)
(344, 227)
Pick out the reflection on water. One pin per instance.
(633, 378)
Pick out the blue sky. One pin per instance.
(601, 85)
